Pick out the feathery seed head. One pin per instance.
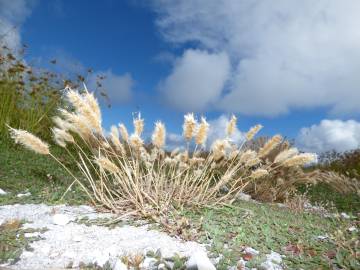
(136, 142)
(30, 141)
(252, 162)
(61, 123)
(175, 152)
(189, 126)
(259, 173)
(138, 125)
(286, 154)
(270, 145)
(202, 132)
(300, 160)
(61, 137)
(253, 131)
(159, 135)
(114, 137)
(106, 164)
(247, 155)
(124, 133)
(218, 149)
(231, 126)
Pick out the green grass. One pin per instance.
(22, 171)
(266, 227)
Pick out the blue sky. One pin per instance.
(289, 65)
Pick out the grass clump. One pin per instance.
(124, 174)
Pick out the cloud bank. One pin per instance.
(283, 54)
(330, 135)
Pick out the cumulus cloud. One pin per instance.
(117, 87)
(217, 131)
(284, 54)
(12, 15)
(330, 135)
(196, 81)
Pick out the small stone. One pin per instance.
(148, 263)
(34, 234)
(161, 266)
(2, 192)
(353, 229)
(20, 195)
(274, 257)
(344, 215)
(200, 261)
(252, 251)
(268, 265)
(321, 237)
(243, 197)
(61, 219)
(119, 265)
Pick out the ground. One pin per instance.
(308, 240)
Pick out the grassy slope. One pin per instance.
(261, 226)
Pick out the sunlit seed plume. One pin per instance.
(61, 137)
(227, 177)
(154, 154)
(253, 131)
(136, 142)
(106, 164)
(175, 152)
(114, 137)
(286, 154)
(93, 104)
(218, 149)
(184, 156)
(196, 160)
(231, 126)
(189, 126)
(247, 155)
(79, 124)
(234, 154)
(300, 160)
(259, 173)
(144, 155)
(183, 166)
(124, 133)
(159, 135)
(270, 145)
(138, 125)
(202, 132)
(61, 123)
(252, 162)
(29, 141)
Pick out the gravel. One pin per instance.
(70, 243)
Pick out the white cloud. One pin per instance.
(285, 54)
(117, 87)
(12, 15)
(330, 135)
(197, 80)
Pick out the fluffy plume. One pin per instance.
(270, 145)
(61, 123)
(78, 124)
(61, 137)
(189, 126)
(231, 126)
(136, 142)
(124, 133)
(30, 141)
(286, 154)
(175, 152)
(159, 135)
(259, 173)
(218, 149)
(299, 160)
(252, 162)
(114, 137)
(253, 131)
(138, 125)
(106, 164)
(202, 132)
(247, 155)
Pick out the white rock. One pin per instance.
(268, 265)
(34, 234)
(344, 215)
(353, 229)
(199, 260)
(119, 265)
(148, 263)
(77, 238)
(274, 257)
(60, 219)
(20, 195)
(244, 197)
(2, 192)
(101, 258)
(322, 237)
(161, 266)
(252, 251)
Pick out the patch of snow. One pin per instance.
(2, 192)
(60, 219)
(20, 195)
